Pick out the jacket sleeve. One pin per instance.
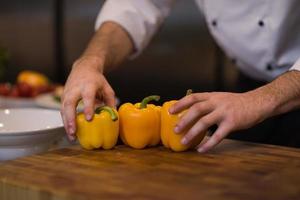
(140, 18)
(296, 66)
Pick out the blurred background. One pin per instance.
(49, 35)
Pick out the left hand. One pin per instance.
(230, 111)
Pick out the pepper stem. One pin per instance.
(114, 116)
(188, 92)
(146, 100)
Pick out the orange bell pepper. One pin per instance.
(169, 138)
(140, 123)
(33, 78)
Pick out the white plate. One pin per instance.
(47, 101)
(10, 102)
(26, 131)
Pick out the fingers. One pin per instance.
(108, 95)
(216, 138)
(68, 112)
(196, 111)
(187, 101)
(88, 94)
(88, 98)
(202, 125)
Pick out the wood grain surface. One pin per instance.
(234, 170)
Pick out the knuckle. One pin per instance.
(190, 135)
(88, 110)
(193, 97)
(198, 107)
(217, 137)
(205, 122)
(210, 95)
(111, 92)
(68, 102)
(69, 94)
(217, 101)
(88, 95)
(214, 101)
(176, 105)
(193, 132)
(89, 86)
(227, 105)
(182, 123)
(230, 120)
(64, 96)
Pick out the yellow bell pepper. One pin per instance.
(33, 78)
(140, 123)
(102, 131)
(169, 138)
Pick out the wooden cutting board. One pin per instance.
(234, 170)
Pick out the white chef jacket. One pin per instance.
(263, 36)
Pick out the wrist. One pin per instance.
(95, 62)
(265, 101)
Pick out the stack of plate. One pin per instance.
(26, 131)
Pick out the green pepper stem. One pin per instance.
(146, 100)
(108, 109)
(188, 92)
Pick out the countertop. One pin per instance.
(233, 170)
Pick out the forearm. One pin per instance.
(109, 46)
(282, 95)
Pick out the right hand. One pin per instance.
(87, 82)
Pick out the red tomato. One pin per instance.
(14, 92)
(34, 92)
(5, 89)
(24, 89)
(43, 89)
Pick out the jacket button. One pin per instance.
(269, 67)
(261, 23)
(214, 22)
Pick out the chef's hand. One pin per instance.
(85, 82)
(108, 48)
(230, 111)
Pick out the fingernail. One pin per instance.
(184, 141)
(71, 130)
(71, 138)
(88, 117)
(171, 110)
(176, 129)
(201, 150)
